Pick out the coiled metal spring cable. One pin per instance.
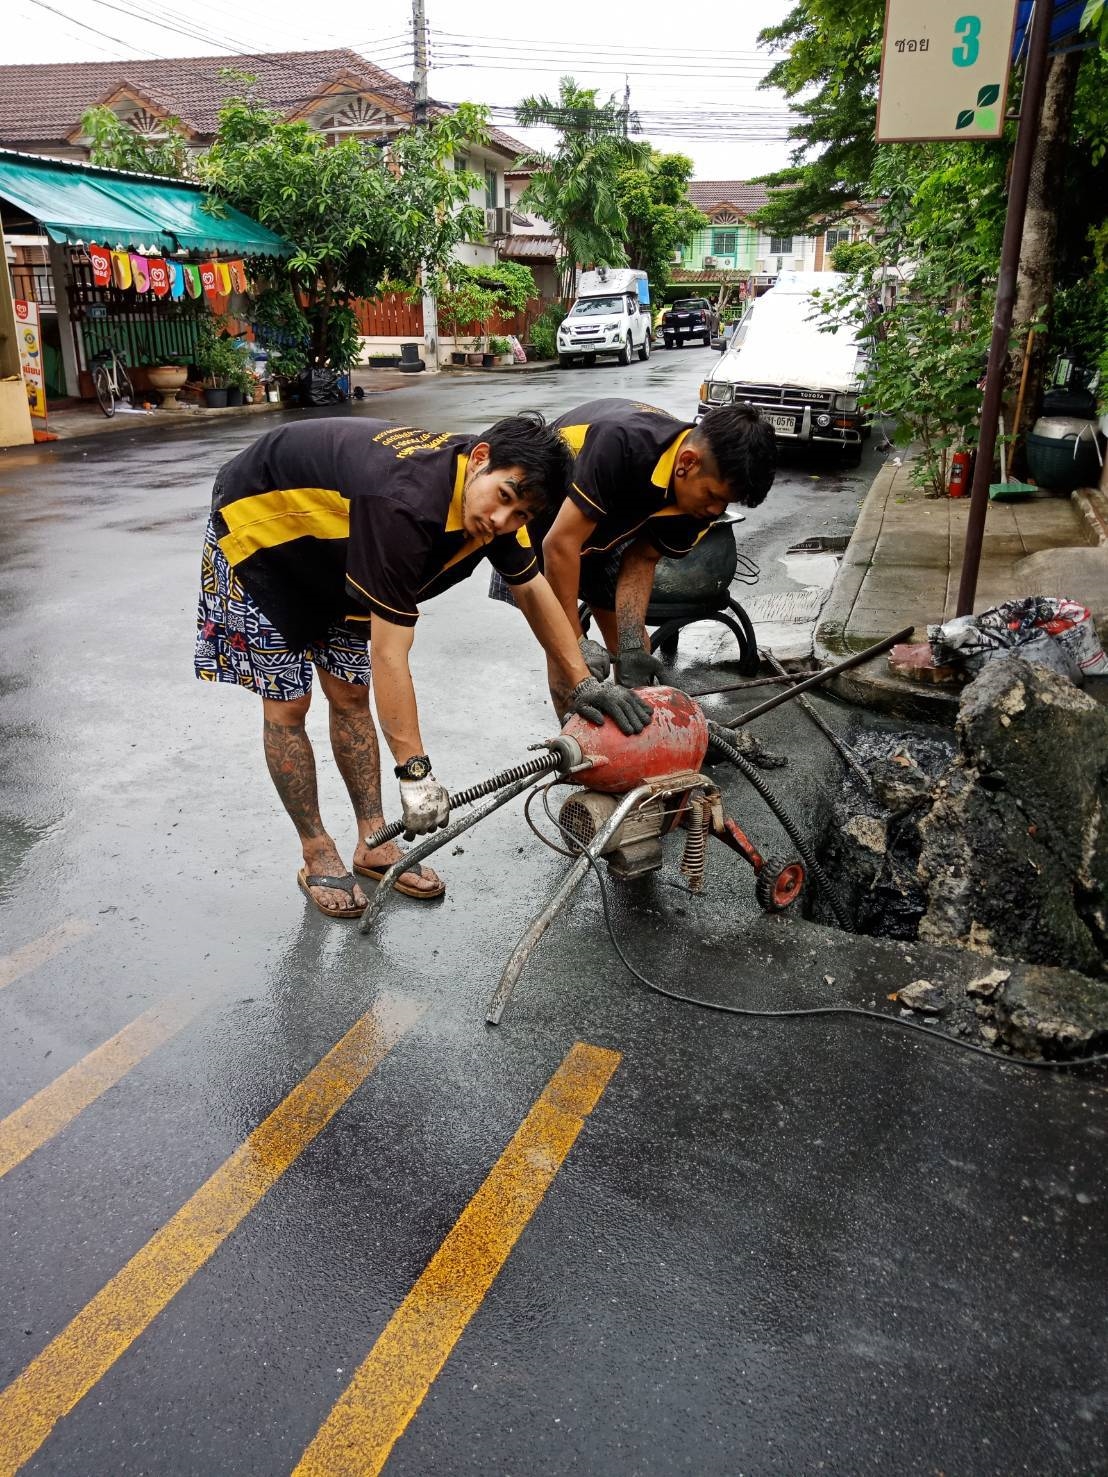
(541, 764)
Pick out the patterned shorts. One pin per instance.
(236, 643)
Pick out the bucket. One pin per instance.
(1062, 453)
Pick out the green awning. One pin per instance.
(77, 204)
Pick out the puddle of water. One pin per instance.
(812, 569)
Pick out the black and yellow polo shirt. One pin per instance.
(330, 521)
(624, 452)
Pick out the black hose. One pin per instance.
(541, 764)
(724, 747)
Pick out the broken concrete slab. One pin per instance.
(1057, 1013)
(1014, 857)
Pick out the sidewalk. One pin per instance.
(903, 566)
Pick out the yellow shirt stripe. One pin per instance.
(662, 474)
(271, 518)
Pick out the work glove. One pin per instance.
(425, 805)
(637, 667)
(596, 701)
(596, 657)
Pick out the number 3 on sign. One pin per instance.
(969, 28)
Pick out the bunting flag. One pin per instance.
(176, 279)
(121, 269)
(208, 279)
(101, 260)
(238, 275)
(159, 277)
(192, 279)
(223, 278)
(140, 272)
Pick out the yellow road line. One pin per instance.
(388, 1387)
(69, 1366)
(38, 951)
(42, 1116)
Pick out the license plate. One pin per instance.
(784, 425)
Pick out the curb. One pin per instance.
(540, 366)
(1094, 505)
(871, 686)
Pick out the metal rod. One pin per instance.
(543, 764)
(824, 727)
(751, 682)
(561, 895)
(437, 839)
(820, 677)
(1031, 106)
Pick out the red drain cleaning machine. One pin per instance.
(628, 794)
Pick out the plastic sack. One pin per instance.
(518, 352)
(320, 386)
(1027, 628)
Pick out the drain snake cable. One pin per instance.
(577, 848)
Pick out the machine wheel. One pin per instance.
(625, 352)
(779, 884)
(102, 384)
(644, 352)
(126, 389)
(565, 361)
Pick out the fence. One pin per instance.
(394, 316)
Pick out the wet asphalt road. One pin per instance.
(772, 1246)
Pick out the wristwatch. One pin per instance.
(418, 767)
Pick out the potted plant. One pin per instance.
(501, 350)
(222, 363)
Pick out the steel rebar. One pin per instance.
(818, 678)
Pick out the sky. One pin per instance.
(695, 93)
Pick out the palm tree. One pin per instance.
(576, 187)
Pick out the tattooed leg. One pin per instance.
(288, 753)
(358, 757)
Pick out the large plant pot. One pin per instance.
(166, 378)
(1062, 453)
(475, 360)
(234, 395)
(215, 399)
(457, 358)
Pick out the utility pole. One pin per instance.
(420, 120)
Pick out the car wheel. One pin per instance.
(589, 361)
(852, 456)
(625, 352)
(565, 361)
(707, 340)
(644, 352)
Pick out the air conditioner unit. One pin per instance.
(798, 264)
(676, 259)
(710, 262)
(759, 265)
(498, 220)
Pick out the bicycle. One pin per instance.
(110, 381)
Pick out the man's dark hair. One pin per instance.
(537, 449)
(743, 448)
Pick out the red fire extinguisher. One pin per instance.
(958, 485)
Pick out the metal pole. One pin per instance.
(1031, 105)
(820, 677)
(825, 728)
(420, 120)
(562, 893)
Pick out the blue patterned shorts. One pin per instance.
(236, 643)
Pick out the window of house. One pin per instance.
(461, 163)
(836, 238)
(490, 188)
(780, 245)
(724, 243)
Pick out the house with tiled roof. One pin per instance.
(338, 91)
(732, 242)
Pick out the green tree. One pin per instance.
(829, 73)
(854, 256)
(653, 197)
(114, 144)
(358, 215)
(576, 185)
(468, 297)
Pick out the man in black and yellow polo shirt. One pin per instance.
(643, 485)
(327, 532)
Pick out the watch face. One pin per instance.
(417, 769)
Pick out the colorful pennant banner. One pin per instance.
(166, 278)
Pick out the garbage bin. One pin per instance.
(410, 362)
(1063, 453)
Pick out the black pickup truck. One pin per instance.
(688, 318)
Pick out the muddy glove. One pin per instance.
(596, 658)
(424, 802)
(636, 667)
(596, 701)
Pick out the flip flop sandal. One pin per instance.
(423, 894)
(345, 883)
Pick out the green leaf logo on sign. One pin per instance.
(965, 118)
(988, 95)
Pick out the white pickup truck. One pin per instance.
(805, 381)
(610, 315)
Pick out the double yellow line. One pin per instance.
(388, 1387)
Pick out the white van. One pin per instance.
(804, 381)
(610, 315)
